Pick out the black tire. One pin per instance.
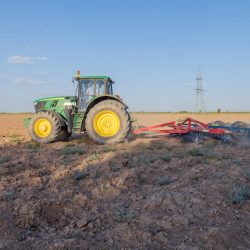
(55, 131)
(119, 110)
(193, 137)
(237, 132)
(65, 135)
(217, 123)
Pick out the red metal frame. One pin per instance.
(181, 127)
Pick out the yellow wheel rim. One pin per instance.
(42, 127)
(107, 123)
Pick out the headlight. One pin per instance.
(39, 106)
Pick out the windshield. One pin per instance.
(96, 87)
(89, 88)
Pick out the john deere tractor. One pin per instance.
(94, 109)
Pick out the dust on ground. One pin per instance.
(146, 193)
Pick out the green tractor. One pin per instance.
(94, 109)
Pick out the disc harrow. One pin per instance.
(195, 130)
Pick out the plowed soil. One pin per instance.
(145, 193)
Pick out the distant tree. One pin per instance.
(219, 110)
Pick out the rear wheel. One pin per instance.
(45, 127)
(108, 122)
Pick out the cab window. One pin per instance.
(100, 90)
(109, 88)
(87, 91)
(87, 87)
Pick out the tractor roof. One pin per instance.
(93, 77)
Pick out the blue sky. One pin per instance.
(152, 49)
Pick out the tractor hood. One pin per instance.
(52, 98)
(54, 103)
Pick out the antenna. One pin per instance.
(200, 103)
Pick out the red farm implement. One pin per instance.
(189, 126)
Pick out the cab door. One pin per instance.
(86, 93)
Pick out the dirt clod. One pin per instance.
(82, 222)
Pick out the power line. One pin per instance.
(199, 103)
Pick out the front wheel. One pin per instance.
(45, 127)
(108, 122)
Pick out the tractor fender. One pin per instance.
(99, 99)
(102, 98)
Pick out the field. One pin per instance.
(12, 124)
(145, 193)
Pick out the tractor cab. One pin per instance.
(91, 87)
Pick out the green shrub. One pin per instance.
(69, 144)
(210, 144)
(4, 159)
(210, 154)
(15, 138)
(122, 214)
(195, 178)
(247, 175)
(11, 195)
(165, 181)
(156, 145)
(33, 145)
(196, 152)
(109, 149)
(79, 175)
(68, 150)
(165, 157)
(94, 156)
(240, 193)
(114, 167)
(205, 152)
(219, 175)
(133, 119)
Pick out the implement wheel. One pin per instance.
(217, 123)
(237, 132)
(108, 122)
(45, 127)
